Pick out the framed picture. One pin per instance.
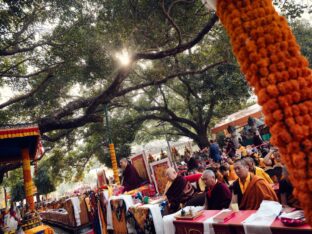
(101, 178)
(140, 164)
(158, 169)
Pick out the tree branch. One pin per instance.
(57, 137)
(20, 50)
(173, 116)
(13, 66)
(180, 48)
(50, 124)
(110, 92)
(175, 26)
(178, 1)
(53, 66)
(163, 96)
(171, 121)
(27, 95)
(165, 79)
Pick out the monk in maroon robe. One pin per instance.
(178, 190)
(218, 195)
(131, 178)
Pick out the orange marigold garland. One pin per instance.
(270, 58)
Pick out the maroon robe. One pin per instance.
(219, 197)
(131, 178)
(180, 191)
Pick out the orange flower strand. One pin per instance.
(270, 58)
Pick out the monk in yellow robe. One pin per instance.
(250, 190)
(257, 170)
(232, 174)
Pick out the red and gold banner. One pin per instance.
(20, 132)
(28, 184)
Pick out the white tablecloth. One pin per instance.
(128, 201)
(157, 218)
(260, 222)
(76, 205)
(168, 219)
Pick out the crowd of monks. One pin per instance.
(240, 182)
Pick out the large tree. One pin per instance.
(59, 56)
(192, 104)
(66, 73)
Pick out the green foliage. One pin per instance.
(15, 183)
(17, 191)
(72, 156)
(74, 43)
(293, 9)
(303, 33)
(43, 181)
(192, 104)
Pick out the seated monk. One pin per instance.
(249, 190)
(178, 190)
(257, 170)
(218, 195)
(225, 172)
(232, 174)
(286, 192)
(131, 178)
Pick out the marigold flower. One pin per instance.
(307, 118)
(254, 57)
(278, 115)
(292, 73)
(281, 66)
(263, 52)
(271, 60)
(272, 90)
(293, 147)
(285, 75)
(299, 159)
(283, 101)
(273, 68)
(296, 96)
(264, 71)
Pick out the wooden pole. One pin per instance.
(27, 179)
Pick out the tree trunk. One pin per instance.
(202, 141)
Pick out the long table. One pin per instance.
(234, 225)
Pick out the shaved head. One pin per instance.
(250, 162)
(171, 174)
(241, 168)
(208, 173)
(123, 163)
(209, 178)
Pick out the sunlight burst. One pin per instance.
(123, 57)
